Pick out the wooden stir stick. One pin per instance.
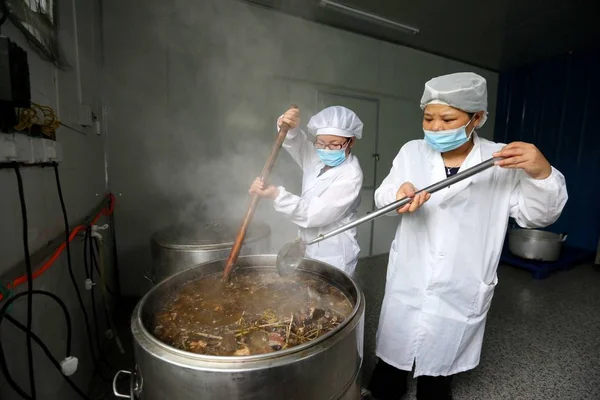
(239, 240)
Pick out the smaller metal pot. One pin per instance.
(179, 247)
(535, 244)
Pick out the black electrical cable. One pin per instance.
(88, 241)
(67, 233)
(57, 299)
(88, 269)
(7, 303)
(88, 237)
(9, 378)
(31, 335)
(71, 273)
(29, 282)
(69, 262)
(94, 261)
(115, 257)
(89, 275)
(50, 357)
(95, 264)
(85, 257)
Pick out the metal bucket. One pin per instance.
(536, 245)
(326, 368)
(180, 247)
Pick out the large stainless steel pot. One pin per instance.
(326, 368)
(180, 247)
(534, 244)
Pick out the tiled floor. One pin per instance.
(542, 337)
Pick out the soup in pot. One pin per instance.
(256, 312)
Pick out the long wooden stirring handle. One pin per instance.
(239, 240)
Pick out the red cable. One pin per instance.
(23, 279)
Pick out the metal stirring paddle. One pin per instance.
(291, 254)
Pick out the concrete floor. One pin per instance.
(542, 337)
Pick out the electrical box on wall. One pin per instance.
(24, 149)
(18, 147)
(14, 74)
(8, 148)
(44, 151)
(52, 151)
(15, 90)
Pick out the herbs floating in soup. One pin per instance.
(257, 312)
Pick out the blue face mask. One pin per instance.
(448, 140)
(332, 158)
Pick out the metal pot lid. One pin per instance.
(207, 236)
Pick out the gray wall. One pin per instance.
(82, 174)
(193, 91)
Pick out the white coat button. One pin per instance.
(441, 255)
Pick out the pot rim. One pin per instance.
(261, 231)
(137, 320)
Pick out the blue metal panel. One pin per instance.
(555, 105)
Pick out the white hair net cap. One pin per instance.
(336, 120)
(466, 91)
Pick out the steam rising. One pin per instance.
(222, 104)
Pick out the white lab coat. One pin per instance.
(442, 264)
(327, 202)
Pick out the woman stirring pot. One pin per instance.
(442, 265)
(331, 183)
